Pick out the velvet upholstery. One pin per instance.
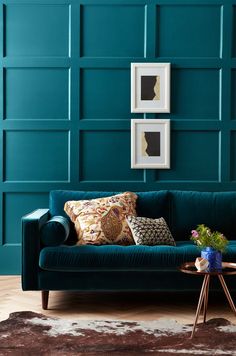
(116, 258)
(55, 231)
(31, 246)
(133, 267)
(149, 204)
(126, 281)
(216, 210)
(118, 281)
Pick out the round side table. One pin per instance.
(227, 269)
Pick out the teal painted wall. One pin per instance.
(65, 99)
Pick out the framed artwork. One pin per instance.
(150, 87)
(150, 143)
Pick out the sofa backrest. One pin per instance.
(182, 210)
(149, 204)
(217, 210)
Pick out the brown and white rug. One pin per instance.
(28, 333)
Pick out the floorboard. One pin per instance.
(122, 306)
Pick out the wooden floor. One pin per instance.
(126, 306)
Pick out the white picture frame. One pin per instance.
(150, 143)
(150, 87)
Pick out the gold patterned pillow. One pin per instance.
(103, 221)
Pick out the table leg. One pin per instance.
(206, 299)
(200, 301)
(227, 293)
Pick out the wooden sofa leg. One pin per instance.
(45, 295)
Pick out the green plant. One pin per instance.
(203, 237)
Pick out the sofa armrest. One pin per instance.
(31, 246)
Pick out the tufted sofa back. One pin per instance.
(182, 210)
(216, 210)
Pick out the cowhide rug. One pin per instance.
(28, 333)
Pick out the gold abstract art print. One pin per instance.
(150, 87)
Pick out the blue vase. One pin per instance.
(214, 258)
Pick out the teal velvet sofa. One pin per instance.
(130, 268)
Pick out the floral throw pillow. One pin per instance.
(147, 231)
(103, 221)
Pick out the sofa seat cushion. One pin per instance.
(118, 258)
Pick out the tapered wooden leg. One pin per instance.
(206, 300)
(227, 293)
(201, 298)
(45, 295)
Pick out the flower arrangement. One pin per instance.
(203, 237)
